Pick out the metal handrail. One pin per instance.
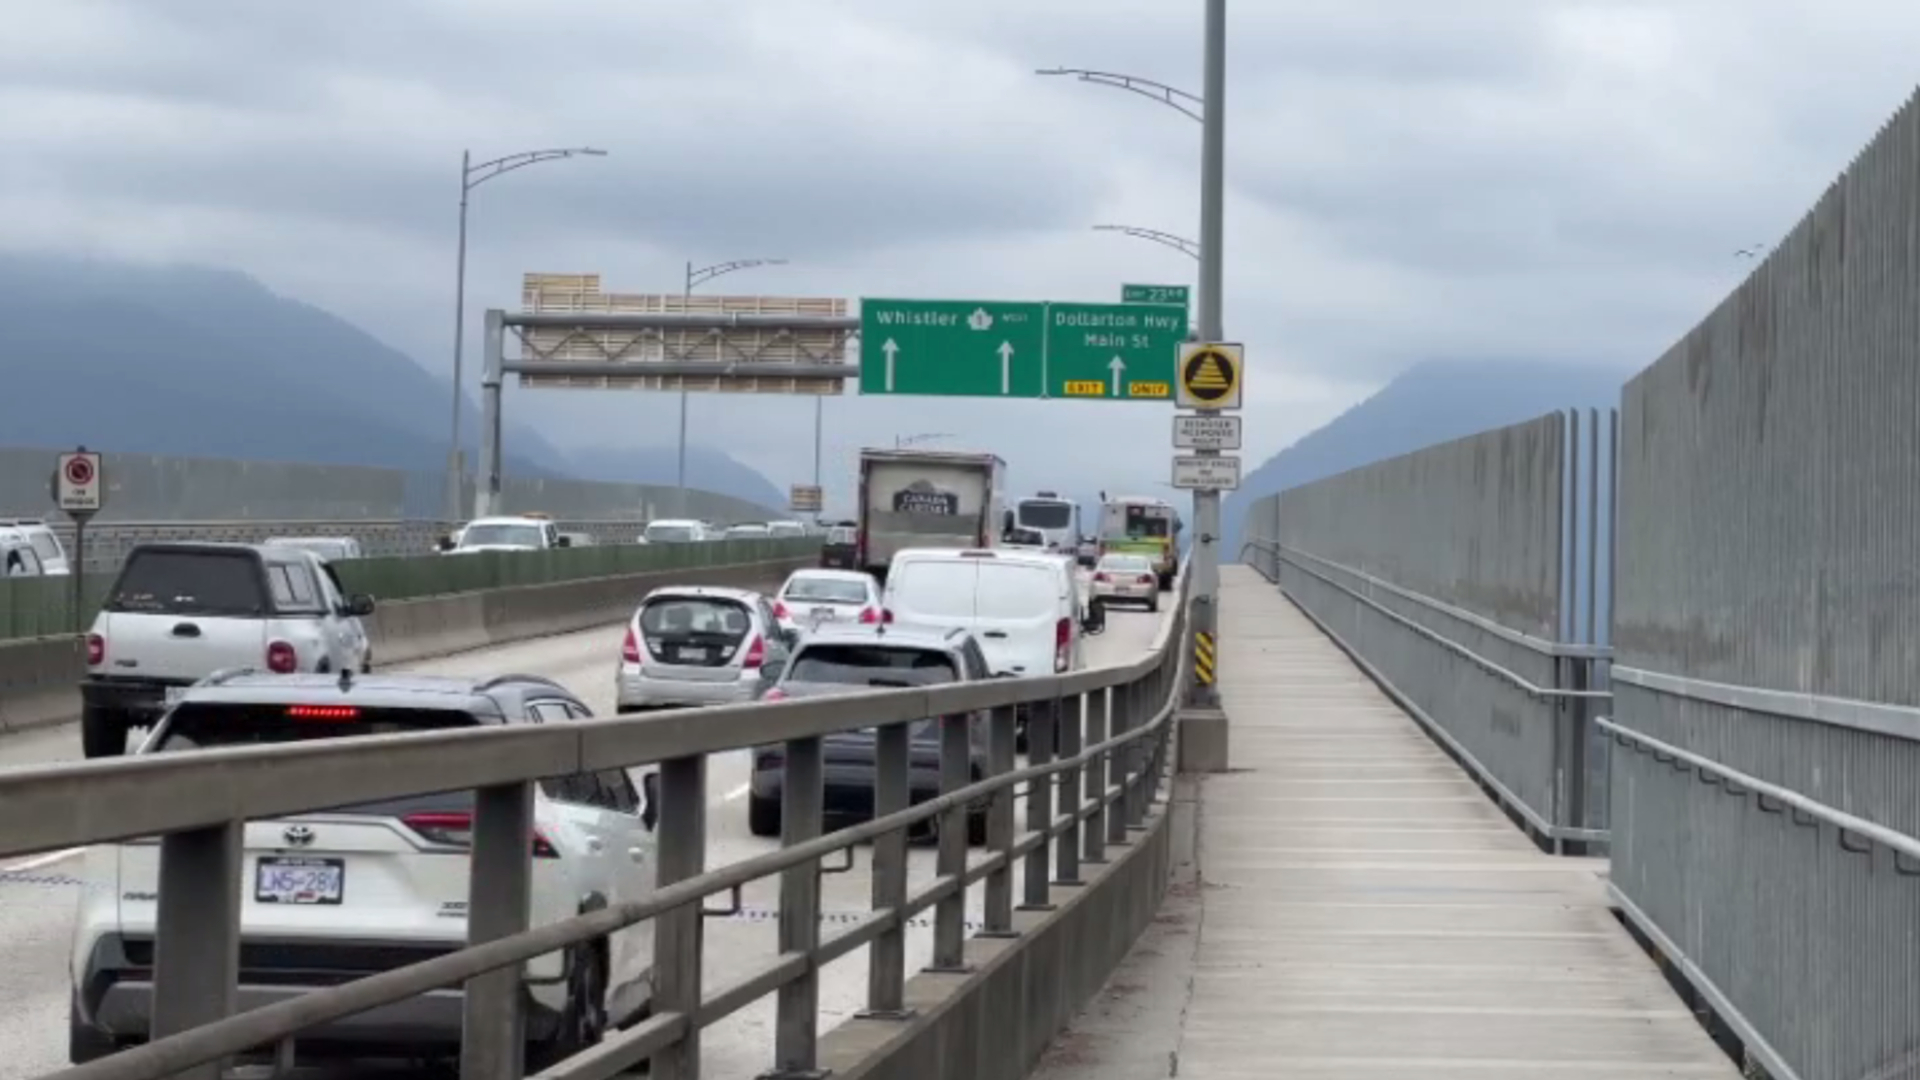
(99, 801)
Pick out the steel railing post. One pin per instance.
(1119, 720)
(1067, 846)
(802, 815)
(950, 914)
(1099, 712)
(1042, 727)
(493, 1039)
(1000, 830)
(1139, 768)
(678, 935)
(197, 933)
(887, 958)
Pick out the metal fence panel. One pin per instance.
(1767, 622)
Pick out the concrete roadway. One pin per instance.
(37, 895)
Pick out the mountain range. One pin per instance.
(210, 363)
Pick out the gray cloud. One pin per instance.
(1556, 180)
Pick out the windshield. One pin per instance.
(1148, 521)
(1046, 515)
(827, 590)
(669, 534)
(209, 583)
(44, 545)
(671, 615)
(1126, 564)
(502, 536)
(872, 665)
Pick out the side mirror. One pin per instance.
(650, 801)
(359, 605)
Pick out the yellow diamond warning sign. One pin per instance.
(1210, 375)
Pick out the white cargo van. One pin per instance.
(1024, 607)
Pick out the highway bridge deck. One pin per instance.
(1365, 913)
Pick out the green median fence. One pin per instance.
(43, 606)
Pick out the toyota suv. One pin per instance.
(180, 612)
(335, 895)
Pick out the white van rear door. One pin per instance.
(1017, 609)
(933, 592)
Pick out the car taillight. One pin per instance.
(323, 712)
(1099, 577)
(96, 650)
(779, 610)
(775, 694)
(281, 659)
(1145, 579)
(630, 648)
(886, 615)
(456, 830)
(1062, 643)
(756, 653)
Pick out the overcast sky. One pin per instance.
(1554, 181)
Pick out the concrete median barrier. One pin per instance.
(38, 675)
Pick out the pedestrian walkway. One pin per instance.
(1365, 913)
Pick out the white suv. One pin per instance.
(45, 543)
(336, 895)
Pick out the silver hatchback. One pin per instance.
(695, 645)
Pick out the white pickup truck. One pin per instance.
(180, 612)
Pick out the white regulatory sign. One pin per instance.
(1206, 473)
(1206, 433)
(76, 482)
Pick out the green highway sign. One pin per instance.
(1154, 294)
(993, 348)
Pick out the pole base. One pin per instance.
(886, 1014)
(998, 934)
(1071, 883)
(1203, 736)
(941, 969)
(1038, 907)
(796, 1074)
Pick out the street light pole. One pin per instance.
(472, 176)
(697, 277)
(1181, 244)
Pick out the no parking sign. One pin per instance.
(78, 488)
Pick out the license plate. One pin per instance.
(300, 881)
(693, 654)
(823, 614)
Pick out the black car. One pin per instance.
(852, 659)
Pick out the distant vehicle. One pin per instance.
(1142, 525)
(695, 645)
(181, 611)
(523, 532)
(355, 891)
(330, 548)
(846, 659)
(1021, 538)
(676, 531)
(1126, 579)
(749, 530)
(786, 529)
(813, 598)
(926, 498)
(18, 558)
(841, 548)
(1088, 551)
(1057, 519)
(45, 543)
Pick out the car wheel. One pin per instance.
(583, 1023)
(84, 1041)
(1153, 605)
(763, 816)
(103, 731)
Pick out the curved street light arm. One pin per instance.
(1191, 105)
(486, 170)
(1165, 239)
(708, 273)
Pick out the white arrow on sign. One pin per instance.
(892, 349)
(1119, 368)
(1006, 367)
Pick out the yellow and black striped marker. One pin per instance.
(1203, 657)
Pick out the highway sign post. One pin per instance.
(1207, 432)
(79, 489)
(1154, 294)
(1210, 473)
(981, 348)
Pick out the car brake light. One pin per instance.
(1099, 577)
(455, 829)
(779, 609)
(281, 659)
(756, 653)
(886, 615)
(630, 648)
(1146, 579)
(775, 694)
(96, 650)
(323, 712)
(1062, 644)
(869, 616)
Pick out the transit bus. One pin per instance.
(1142, 525)
(1057, 519)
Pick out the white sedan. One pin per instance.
(811, 598)
(1126, 579)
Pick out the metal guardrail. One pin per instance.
(1530, 745)
(1113, 727)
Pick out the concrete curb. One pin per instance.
(38, 675)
